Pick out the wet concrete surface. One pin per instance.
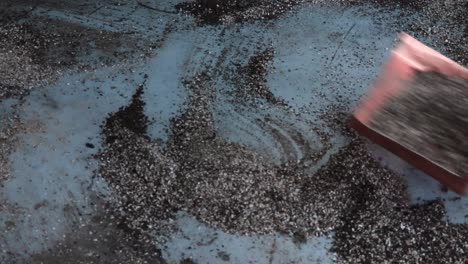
(51, 200)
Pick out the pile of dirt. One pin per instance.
(414, 234)
(231, 187)
(20, 53)
(224, 184)
(136, 168)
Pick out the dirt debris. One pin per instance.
(100, 241)
(136, 169)
(227, 185)
(251, 83)
(218, 11)
(19, 67)
(199, 172)
(231, 187)
(445, 23)
(415, 234)
(9, 128)
(36, 51)
(440, 21)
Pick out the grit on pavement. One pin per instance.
(144, 131)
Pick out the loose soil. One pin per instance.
(235, 11)
(227, 185)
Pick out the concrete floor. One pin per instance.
(52, 169)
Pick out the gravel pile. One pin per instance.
(227, 185)
(138, 172)
(416, 234)
(231, 187)
(34, 51)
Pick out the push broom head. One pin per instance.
(418, 109)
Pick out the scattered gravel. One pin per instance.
(36, 51)
(441, 21)
(99, 241)
(234, 11)
(251, 81)
(9, 127)
(231, 187)
(227, 185)
(442, 24)
(138, 172)
(209, 12)
(415, 234)
(20, 69)
(445, 23)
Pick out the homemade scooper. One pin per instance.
(407, 60)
